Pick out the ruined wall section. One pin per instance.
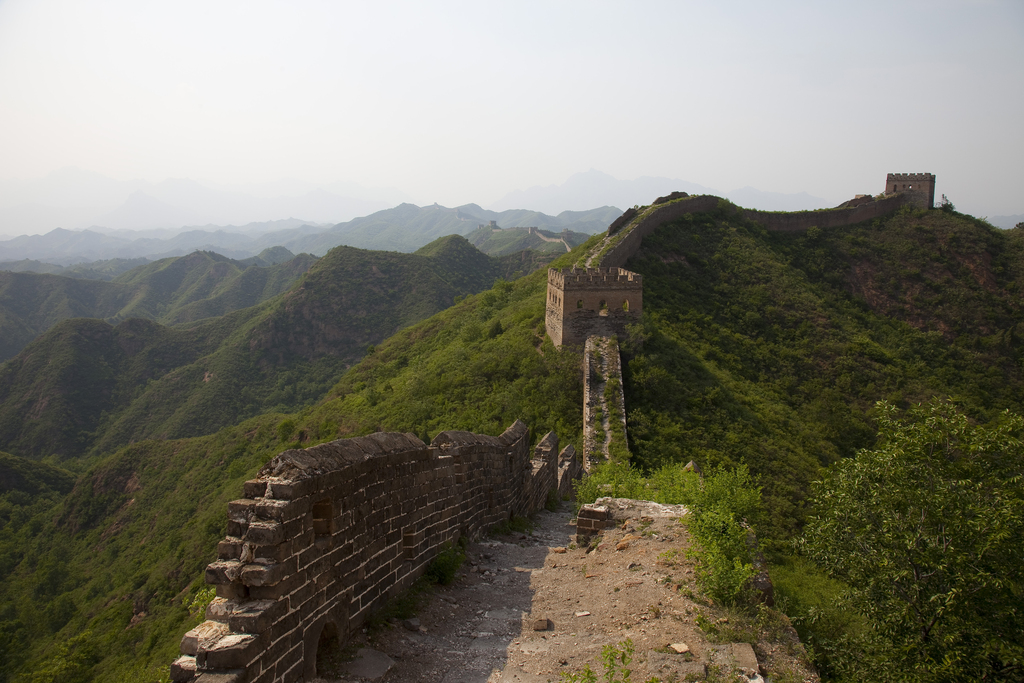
(587, 301)
(602, 364)
(630, 237)
(325, 535)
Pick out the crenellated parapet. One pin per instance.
(325, 535)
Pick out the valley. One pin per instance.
(756, 348)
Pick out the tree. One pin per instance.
(928, 532)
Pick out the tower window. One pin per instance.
(323, 517)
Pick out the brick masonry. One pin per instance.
(325, 535)
(586, 301)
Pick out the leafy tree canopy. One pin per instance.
(926, 529)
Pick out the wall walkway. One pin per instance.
(325, 535)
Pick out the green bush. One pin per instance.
(442, 569)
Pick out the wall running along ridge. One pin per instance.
(601, 364)
(325, 535)
(658, 215)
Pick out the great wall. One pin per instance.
(324, 536)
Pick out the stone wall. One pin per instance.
(582, 302)
(324, 536)
(656, 216)
(601, 363)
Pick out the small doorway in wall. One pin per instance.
(329, 656)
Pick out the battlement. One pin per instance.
(586, 278)
(910, 177)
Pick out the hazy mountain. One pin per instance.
(75, 199)
(753, 198)
(407, 227)
(87, 270)
(1006, 222)
(595, 188)
(173, 290)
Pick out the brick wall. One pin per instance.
(654, 217)
(324, 536)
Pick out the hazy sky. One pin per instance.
(459, 102)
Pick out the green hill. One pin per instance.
(89, 386)
(171, 290)
(500, 241)
(755, 347)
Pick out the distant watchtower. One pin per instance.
(919, 186)
(588, 301)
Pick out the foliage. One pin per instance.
(72, 663)
(442, 569)
(615, 659)
(925, 530)
(946, 205)
(771, 349)
(89, 387)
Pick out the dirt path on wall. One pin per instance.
(636, 584)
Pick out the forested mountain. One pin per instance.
(89, 385)
(171, 290)
(767, 349)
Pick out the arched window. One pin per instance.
(603, 305)
(579, 304)
(625, 305)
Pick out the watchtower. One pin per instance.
(588, 301)
(919, 186)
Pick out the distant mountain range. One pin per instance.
(594, 188)
(405, 228)
(75, 199)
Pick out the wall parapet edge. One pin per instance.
(323, 536)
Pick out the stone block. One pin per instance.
(230, 548)
(221, 677)
(233, 651)
(241, 510)
(254, 488)
(183, 669)
(278, 590)
(232, 591)
(256, 616)
(223, 572)
(203, 635)
(219, 609)
(290, 490)
(264, 533)
(263, 574)
(281, 510)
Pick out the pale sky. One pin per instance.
(464, 102)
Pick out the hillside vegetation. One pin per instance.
(172, 290)
(500, 241)
(766, 350)
(88, 386)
